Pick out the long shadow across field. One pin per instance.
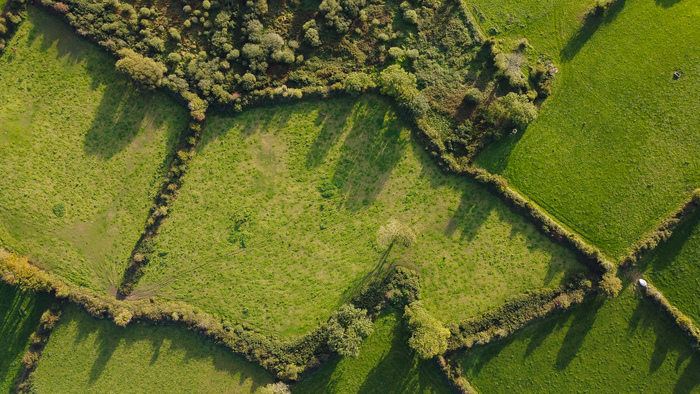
(591, 24)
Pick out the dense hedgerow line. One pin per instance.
(684, 322)
(38, 341)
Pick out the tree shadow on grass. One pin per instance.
(667, 3)
(583, 321)
(19, 316)
(667, 252)
(591, 24)
(123, 110)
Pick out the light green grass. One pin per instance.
(385, 365)
(547, 24)
(73, 133)
(674, 268)
(615, 149)
(307, 253)
(19, 317)
(625, 345)
(90, 355)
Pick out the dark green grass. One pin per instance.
(81, 153)
(385, 365)
(674, 268)
(305, 253)
(625, 345)
(616, 148)
(89, 355)
(19, 317)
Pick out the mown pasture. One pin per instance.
(385, 365)
(674, 268)
(20, 313)
(82, 153)
(276, 221)
(614, 150)
(622, 345)
(89, 355)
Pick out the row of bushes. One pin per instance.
(663, 232)
(517, 312)
(684, 322)
(143, 251)
(37, 342)
(286, 359)
(454, 375)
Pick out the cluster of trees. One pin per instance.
(346, 330)
(428, 336)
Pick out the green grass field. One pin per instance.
(548, 24)
(674, 268)
(385, 365)
(19, 317)
(90, 355)
(625, 345)
(615, 149)
(81, 153)
(259, 180)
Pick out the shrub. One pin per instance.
(410, 16)
(428, 336)
(206, 4)
(311, 37)
(473, 96)
(187, 9)
(394, 81)
(358, 82)
(610, 285)
(145, 12)
(61, 7)
(412, 54)
(396, 52)
(145, 71)
(346, 330)
(248, 81)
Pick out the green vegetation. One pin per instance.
(613, 151)
(385, 365)
(547, 24)
(674, 268)
(85, 354)
(621, 345)
(82, 154)
(19, 317)
(276, 221)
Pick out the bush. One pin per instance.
(145, 71)
(474, 96)
(410, 16)
(61, 7)
(610, 285)
(357, 82)
(394, 81)
(311, 37)
(428, 336)
(346, 330)
(396, 52)
(248, 81)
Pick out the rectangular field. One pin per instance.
(20, 313)
(624, 345)
(276, 221)
(90, 355)
(616, 148)
(82, 153)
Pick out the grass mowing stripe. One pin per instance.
(82, 153)
(622, 345)
(304, 188)
(90, 355)
(615, 149)
(20, 313)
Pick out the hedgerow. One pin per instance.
(684, 322)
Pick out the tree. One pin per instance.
(428, 336)
(394, 81)
(395, 232)
(358, 82)
(143, 70)
(346, 330)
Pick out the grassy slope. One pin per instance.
(624, 345)
(385, 365)
(674, 268)
(90, 355)
(19, 317)
(76, 133)
(615, 150)
(304, 250)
